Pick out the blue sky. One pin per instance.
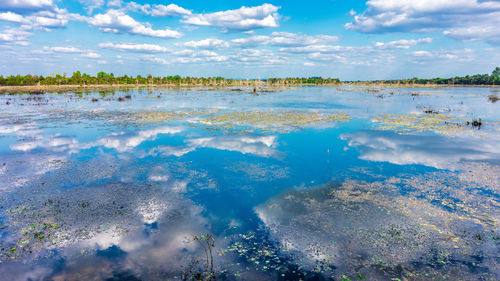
(352, 40)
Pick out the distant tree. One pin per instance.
(496, 72)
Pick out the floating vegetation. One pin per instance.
(493, 98)
(416, 94)
(273, 121)
(437, 123)
(62, 218)
(259, 171)
(159, 117)
(371, 229)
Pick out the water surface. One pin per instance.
(302, 183)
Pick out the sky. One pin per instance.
(350, 40)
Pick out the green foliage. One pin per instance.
(302, 81)
(103, 78)
(496, 73)
(478, 79)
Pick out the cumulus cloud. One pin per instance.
(143, 48)
(258, 56)
(251, 41)
(124, 143)
(194, 56)
(242, 19)
(169, 10)
(209, 43)
(23, 6)
(41, 20)
(321, 49)
(155, 59)
(432, 151)
(285, 39)
(260, 146)
(59, 49)
(12, 17)
(487, 32)
(462, 19)
(14, 36)
(68, 50)
(462, 55)
(158, 10)
(91, 55)
(91, 5)
(402, 44)
(116, 21)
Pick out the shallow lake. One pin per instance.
(304, 183)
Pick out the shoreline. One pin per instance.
(37, 89)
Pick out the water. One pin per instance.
(303, 183)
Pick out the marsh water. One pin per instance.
(306, 183)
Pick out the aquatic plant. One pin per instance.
(434, 122)
(273, 120)
(207, 243)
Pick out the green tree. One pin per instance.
(496, 72)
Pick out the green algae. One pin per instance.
(273, 121)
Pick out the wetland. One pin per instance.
(297, 183)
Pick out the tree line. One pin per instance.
(103, 78)
(478, 79)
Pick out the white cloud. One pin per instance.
(14, 36)
(463, 19)
(186, 60)
(258, 56)
(158, 10)
(146, 48)
(432, 151)
(155, 59)
(116, 21)
(169, 10)
(209, 43)
(402, 44)
(461, 55)
(321, 48)
(183, 53)
(189, 56)
(91, 55)
(124, 143)
(261, 146)
(91, 5)
(488, 32)
(44, 20)
(242, 19)
(67, 50)
(26, 5)
(59, 49)
(252, 41)
(12, 17)
(285, 39)
(115, 3)
(294, 39)
(50, 22)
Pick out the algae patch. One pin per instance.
(280, 121)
